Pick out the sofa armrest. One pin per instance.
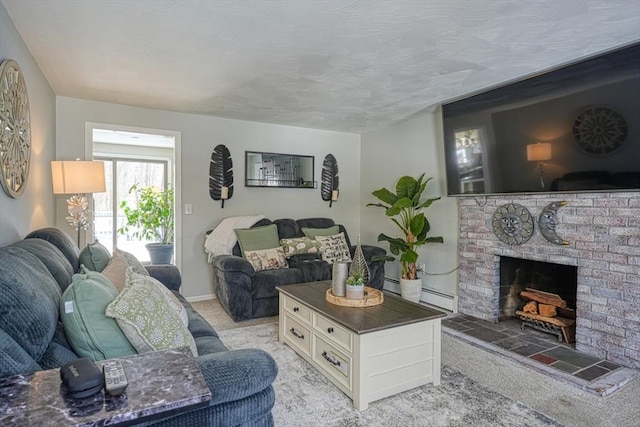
(167, 274)
(235, 374)
(232, 283)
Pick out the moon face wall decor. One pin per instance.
(547, 222)
(512, 224)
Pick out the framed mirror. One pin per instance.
(279, 170)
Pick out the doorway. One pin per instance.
(146, 157)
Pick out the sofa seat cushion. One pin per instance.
(264, 283)
(13, 359)
(312, 269)
(30, 298)
(82, 310)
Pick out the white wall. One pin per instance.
(199, 136)
(35, 208)
(411, 147)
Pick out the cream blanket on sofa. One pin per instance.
(223, 238)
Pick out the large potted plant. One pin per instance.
(404, 207)
(152, 220)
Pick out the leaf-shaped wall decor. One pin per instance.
(330, 180)
(220, 172)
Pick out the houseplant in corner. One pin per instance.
(404, 207)
(152, 220)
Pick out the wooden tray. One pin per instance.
(371, 297)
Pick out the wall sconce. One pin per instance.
(77, 177)
(539, 152)
(224, 194)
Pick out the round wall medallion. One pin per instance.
(15, 129)
(513, 224)
(599, 130)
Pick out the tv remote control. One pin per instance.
(115, 381)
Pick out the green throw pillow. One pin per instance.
(256, 238)
(146, 318)
(94, 256)
(82, 311)
(313, 232)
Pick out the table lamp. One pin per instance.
(539, 152)
(77, 177)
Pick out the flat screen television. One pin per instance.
(574, 128)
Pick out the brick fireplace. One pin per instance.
(604, 234)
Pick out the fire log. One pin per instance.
(531, 307)
(530, 294)
(547, 310)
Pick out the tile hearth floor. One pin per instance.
(543, 351)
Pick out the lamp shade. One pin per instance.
(77, 177)
(539, 152)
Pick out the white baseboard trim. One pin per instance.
(200, 298)
(429, 296)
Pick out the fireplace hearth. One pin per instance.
(603, 232)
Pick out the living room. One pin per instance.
(369, 157)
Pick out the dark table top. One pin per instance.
(393, 312)
(161, 383)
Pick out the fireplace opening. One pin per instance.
(541, 294)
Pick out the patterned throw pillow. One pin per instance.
(267, 259)
(334, 248)
(145, 317)
(117, 268)
(299, 245)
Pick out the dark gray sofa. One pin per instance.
(33, 274)
(246, 294)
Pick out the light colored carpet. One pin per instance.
(487, 376)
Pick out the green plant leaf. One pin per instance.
(385, 196)
(398, 206)
(417, 224)
(406, 187)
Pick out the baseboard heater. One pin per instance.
(430, 296)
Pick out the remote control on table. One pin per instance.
(115, 381)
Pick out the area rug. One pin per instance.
(306, 398)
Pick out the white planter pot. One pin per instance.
(355, 292)
(411, 289)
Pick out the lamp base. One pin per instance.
(78, 213)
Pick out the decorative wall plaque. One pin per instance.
(221, 174)
(513, 224)
(599, 130)
(547, 223)
(15, 129)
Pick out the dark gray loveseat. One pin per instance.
(246, 294)
(33, 274)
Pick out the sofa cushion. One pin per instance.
(264, 284)
(82, 311)
(94, 256)
(145, 317)
(116, 269)
(53, 259)
(24, 280)
(313, 232)
(299, 245)
(334, 248)
(288, 228)
(13, 359)
(256, 238)
(267, 259)
(61, 240)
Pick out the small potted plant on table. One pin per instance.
(355, 285)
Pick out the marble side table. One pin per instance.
(161, 384)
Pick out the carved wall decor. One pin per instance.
(547, 223)
(15, 129)
(330, 180)
(221, 174)
(599, 130)
(513, 224)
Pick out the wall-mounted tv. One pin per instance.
(575, 128)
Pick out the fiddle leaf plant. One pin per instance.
(404, 208)
(152, 217)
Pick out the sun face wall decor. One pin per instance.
(512, 224)
(15, 129)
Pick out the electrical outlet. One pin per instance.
(188, 209)
(421, 267)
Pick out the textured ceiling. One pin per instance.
(344, 65)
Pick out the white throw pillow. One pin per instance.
(334, 248)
